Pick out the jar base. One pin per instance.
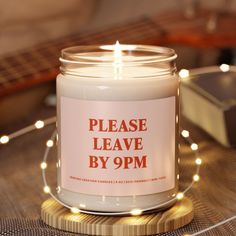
(118, 203)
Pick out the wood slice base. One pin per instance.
(59, 217)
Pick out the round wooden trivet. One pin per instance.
(59, 217)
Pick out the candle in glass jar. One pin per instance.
(117, 124)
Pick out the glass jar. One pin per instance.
(117, 112)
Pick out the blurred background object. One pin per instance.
(28, 23)
(33, 22)
(209, 101)
(34, 32)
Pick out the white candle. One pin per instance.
(117, 127)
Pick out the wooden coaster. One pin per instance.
(59, 217)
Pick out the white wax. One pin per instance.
(110, 89)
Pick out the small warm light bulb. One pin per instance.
(49, 143)
(185, 133)
(196, 177)
(176, 119)
(39, 124)
(194, 146)
(198, 161)
(74, 210)
(184, 73)
(180, 196)
(46, 189)
(177, 176)
(178, 91)
(136, 212)
(58, 188)
(4, 139)
(82, 205)
(224, 67)
(43, 165)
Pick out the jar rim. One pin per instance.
(133, 55)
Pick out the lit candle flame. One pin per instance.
(117, 52)
(117, 60)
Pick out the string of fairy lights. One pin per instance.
(75, 210)
(50, 143)
(135, 212)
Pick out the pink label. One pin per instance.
(118, 148)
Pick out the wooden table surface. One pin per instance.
(21, 186)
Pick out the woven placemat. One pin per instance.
(203, 217)
(21, 193)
